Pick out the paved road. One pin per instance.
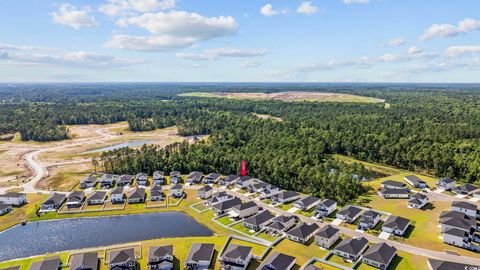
(371, 238)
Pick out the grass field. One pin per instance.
(287, 96)
(256, 248)
(266, 236)
(239, 227)
(284, 206)
(225, 220)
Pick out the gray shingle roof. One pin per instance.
(200, 252)
(84, 261)
(246, 205)
(393, 183)
(350, 211)
(75, 196)
(381, 253)
(283, 219)
(259, 218)
(234, 251)
(227, 204)
(47, 264)
(123, 255)
(125, 179)
(205, 188)
(352, 246)
(118, 190)
(160, 251)
(277, 261)
(98, 195)
(465, 205)
(327, 232)
(457, 220)
(137, 193)
(394, 191)
(327, 202)
(445, 265)
(308, 200)
(12, 195)
(395, 222)
(287, 194)
(56, 198)
(303, 230)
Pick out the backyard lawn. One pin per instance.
(225, 220)
(239, 227)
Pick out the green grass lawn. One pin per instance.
(266, 236)
(284, 206)
(26, 212)
(339, 260)
(239, 227)
(325, 266)
(308, 213)
(201, 207)
(302, 253)
(225, 220)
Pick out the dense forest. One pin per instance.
(432, 128)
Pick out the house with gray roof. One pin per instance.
(447, 265)
(325, 208)
(379, 255)
(244, 181)
(142, 179)
(228, 180)
(415, 181)
(306, 203)
(327, 236)
(14, 198)
(259, 220)
(88, 182)
(418, 201)
(194, 177)
(281, 224)
(302, 232)
(368, 220)
(53, 202)
(176, 191)
(84, 261)
(222, 208)
(161, 258)
(351, 248)
(393, 184)
(286, 196)
(469, 209)
(117, 195)
(211, 178)
(256, 187)
(75, 199)
(394, 193)
(244, 210)
(205, 192)
(5, 208)
(123, 259)
(200, 256)
(218, 197)
(311, 267)
(277, 261)
(446, 184)
(136, 195)
(124, 180)
(156, 194)
(47, 264)
(269, 191)
(465, 189)
(236, 257)
(158, 178)
(108, 180)
(457, 220)
(175, 178)
(396, 225)
(349, 213)
(98, 197)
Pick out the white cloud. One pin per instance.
(214, 54)
(148, 43)
(69, 15)
(268, 11)
(129, 7)
(414, 50)
(307, 8)
(397, 41)
(356, 1)
(456, 51)
(447, 30)
(251, 64)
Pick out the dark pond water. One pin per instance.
(120, 145)
(38, 238)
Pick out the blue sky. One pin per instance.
(240, 41)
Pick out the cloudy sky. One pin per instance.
(240, 40)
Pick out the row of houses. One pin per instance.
(108, 181)
(10, 200)
(459, 225)
(397, 190)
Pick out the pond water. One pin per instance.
(42, 237)
(120, 145)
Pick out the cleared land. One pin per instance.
(288, 96)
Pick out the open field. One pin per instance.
(287, 96)
(65, 177)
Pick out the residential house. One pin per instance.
(200, 256)
(281, 224)
(53, 202)
(269, 191)
(349, 213)
(88, 182)
(327, 236)
(379, 255)
(98, 197)
(47, 264)
(176, 191)
(447, 265)
(418, 201)
(123, 259)
(286, 196)
(245, 181)
(205, 192)
(218, 197)
(351, 248)
(236, 257)
(277, 261)
(84, 261)
(156, 194)
(394, 193)
(211, 178)
(158, 178)
(390, 184)
(107, 181)
(142, 179)
(117, 196)
(457, 220)
(457, 237)
(396, 225)
(469, 209)
(136, 195)
(302, 232)
(476, 194)
(14, 198)
(161, 258)
(75, 199)
(258, 221)
(306, 203)
(175, 178)
(312, 267)
(326, 207)
(465, 189)
(445, 184)
(194, 177)
(415, 181)
(223, 207)
(124, 180)
(368, 220)
(244, 210)
(5, 208)
(228, 180)
(256, 187)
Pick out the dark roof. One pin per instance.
(98, 195)
(156, 191)
(196, 175)
(370, 214)
(393, 191)
(445, 265)
(175, 173)
(456, 232)
(287, 194)
(84, 261)
(12, 195)
(213, 175)
(205, 188)
(327, 232)
(277, 261)
(11, 268)
(141, 175)
(414, 179)
(4, 206)
(90, 178)
(158, 174)
(75, 196)
(200, 252)
(311, 267)
(227, 204)
(283, 219)
(123, 255)
(125, 178)
(308, 200)
(393, 183)
(445, 181)
(466, 187)
(138, 193)
(245, 178)
(457, 220)
(56, 198)
(246, 205)
(47, 264)
(350, 211)
(328, 202)
(177, 186)
(160, 251)
(465, 205)
(235, 251)
(395, 222)
(303, 230)
(259, 218)
(230, 177)
(380, 252)
(352, 246)
(419, 196)
(117, 190)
